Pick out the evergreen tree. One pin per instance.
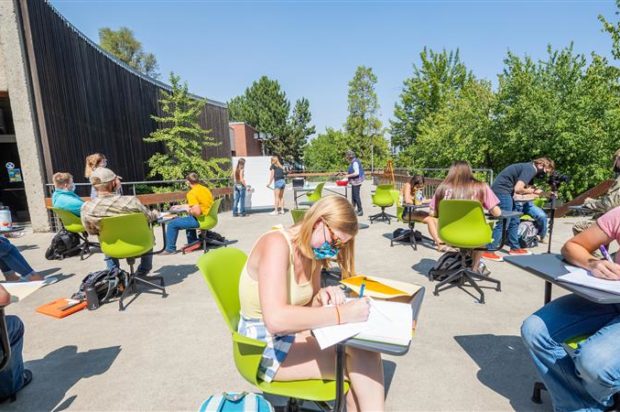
(183, 137)
(123, 44)
(363, 127)
(301, 129)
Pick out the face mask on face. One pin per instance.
(71, 188)
(326, 250)
(540, 173)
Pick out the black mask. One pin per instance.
(540, 173)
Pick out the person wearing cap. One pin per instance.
(355, 174)
(603, 204)
(109, 203)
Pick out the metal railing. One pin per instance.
(157, 199)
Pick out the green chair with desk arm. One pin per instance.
(73, 224)
(463, 226)
(408, 235)
(207, 222)
(129, 237)
(298, 215)
(382, 198)
(316, 195)
(222, 269)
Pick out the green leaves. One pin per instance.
(183, 137)
(123, 44)
(265, 107)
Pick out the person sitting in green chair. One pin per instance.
(64, 196)
(199, 202)
(281, 301)
(460, 183)
(109, 203)
(413, 195)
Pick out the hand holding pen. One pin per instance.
(606, 268)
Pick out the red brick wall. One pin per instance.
(245, 144)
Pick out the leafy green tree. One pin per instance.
(123, 44)
(183, 137)
(460, 130)
(300, 129)
(363, 127)
(326, 152)
(614, 31)
(265, 107)
(440, 76)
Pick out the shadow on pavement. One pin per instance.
(505, 367)
(174, 274)
(57, 373)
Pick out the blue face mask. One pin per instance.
(326, 250)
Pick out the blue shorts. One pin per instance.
(279, 184)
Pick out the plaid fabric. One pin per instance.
(276, 350)
(111, 205)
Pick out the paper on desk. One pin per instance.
(582, 277)
(19, 290)
(388, 322)
(381, 288)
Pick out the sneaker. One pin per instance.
(542, 239)
(519, 252)
(168, 252)
(360, 213)
(274, 213)
(492, 256)
(282, 212)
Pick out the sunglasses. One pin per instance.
(336, 241)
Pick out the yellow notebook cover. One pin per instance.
(380, 288)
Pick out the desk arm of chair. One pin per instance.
(5, 345)
(248, 354)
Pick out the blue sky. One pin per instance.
(313, 47)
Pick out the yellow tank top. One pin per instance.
(298, 294)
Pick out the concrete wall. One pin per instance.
(3, 81)
(13, 67)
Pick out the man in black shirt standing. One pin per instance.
(515, 179)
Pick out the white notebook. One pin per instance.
(389, 322)
(582, 277)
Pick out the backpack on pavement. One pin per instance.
(236, 402)
(64, 244)
(528, 234)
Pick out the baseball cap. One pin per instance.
(102, 175)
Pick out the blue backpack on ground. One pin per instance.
(236, 402)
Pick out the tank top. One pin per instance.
(298, 294)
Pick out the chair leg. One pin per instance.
(476, 275)
(474, 284)
(454, 279)
(536, 394)
(133, 280)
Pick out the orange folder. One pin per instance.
(61, 308)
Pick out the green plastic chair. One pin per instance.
(462, 225)
(406, 236)
(383, 198)
(207, 222)
(298, 215)
(73, 224)
(129, 237)
(315, 195)
(222, 269)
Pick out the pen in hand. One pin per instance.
(605, 253)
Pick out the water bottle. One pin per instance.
(5, 218)
(92, 300)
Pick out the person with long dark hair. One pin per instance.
(413, 194)
(240, 188)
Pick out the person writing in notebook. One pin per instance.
(413, 194)
(587, 379)
(281, 302)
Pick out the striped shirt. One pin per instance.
(111, 205)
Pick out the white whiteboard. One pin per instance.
(258, 195)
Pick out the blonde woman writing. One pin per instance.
(281, 301)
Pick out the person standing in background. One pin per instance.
(94, 161)
(276, 175)
(240, 188)
(355, 174)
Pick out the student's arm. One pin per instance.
(271, 174)
(5, 297)
(495, 211)
(279, 316)
(526, 176)
(243, 177)
(578, 251)
(407, 194)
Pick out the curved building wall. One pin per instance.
(87, 101)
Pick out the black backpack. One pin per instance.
(64, 244)
(527, 234)
(449, 261)
(107, 284)
(401, 231)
